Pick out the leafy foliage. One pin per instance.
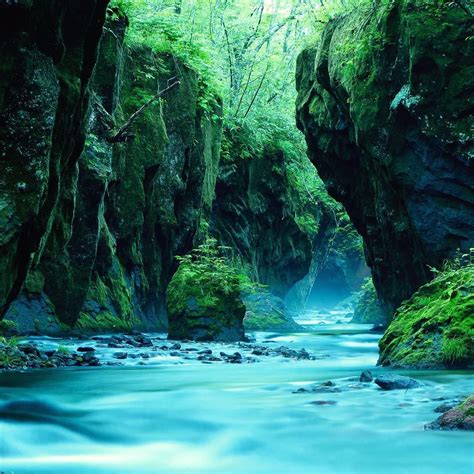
(206, 275)
(9, 356)
(63, 350)
(10, 342)
(7, 326)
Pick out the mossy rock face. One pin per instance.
(48, 52)
(435, 328)
(367, 309)
(258, 212)
(385, 103)
(266, 312)
(123, 211)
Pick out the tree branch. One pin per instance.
(122, 134)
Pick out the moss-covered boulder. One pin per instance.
(204, 298)
(267, 312)
(434, 328)
(460, 417)
(385, 102)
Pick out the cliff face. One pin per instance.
(125, 210)
(258, 213)
(48, 52)
(387, 113)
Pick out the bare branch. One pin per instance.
(122, 134)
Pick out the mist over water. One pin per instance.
(178, 416)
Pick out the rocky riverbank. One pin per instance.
(133, 349)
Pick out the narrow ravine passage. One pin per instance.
(236, 237)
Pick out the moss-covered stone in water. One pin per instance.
(435, 328)
(460, 417)
(204, 299)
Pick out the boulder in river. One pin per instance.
(460, 417)
(204, 298)
(366, 376)
(267, 312)
(120, 355)
(326, 387)
(396, 382)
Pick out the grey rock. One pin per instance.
(366, 376)
(120, 355)
(444, 407)
(396, 382)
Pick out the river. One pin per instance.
(184, 416)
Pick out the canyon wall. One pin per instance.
(386, 109)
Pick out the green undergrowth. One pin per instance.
(9, 356)
(205, 275)
(157, 28)
(205, 293)
(435, 327)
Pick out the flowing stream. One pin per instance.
(184, 416)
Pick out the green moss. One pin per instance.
(203, 297)
(109, 304)
(434, 328)
(368, 309)
(34, 282)
(454, 350)
(7, 326)
(104, 321)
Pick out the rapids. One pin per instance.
(183, 416)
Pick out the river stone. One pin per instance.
(396, 382)
(366, 376)
(120, 355)
(460, 417)
(326, 387)
(444, 407)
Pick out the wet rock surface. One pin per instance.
(136, 348)
(396, 382)
(459, 417)
(366, 376)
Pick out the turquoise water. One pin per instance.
(177, 416)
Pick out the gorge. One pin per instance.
(169, 255)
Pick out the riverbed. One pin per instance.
(176, 415)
